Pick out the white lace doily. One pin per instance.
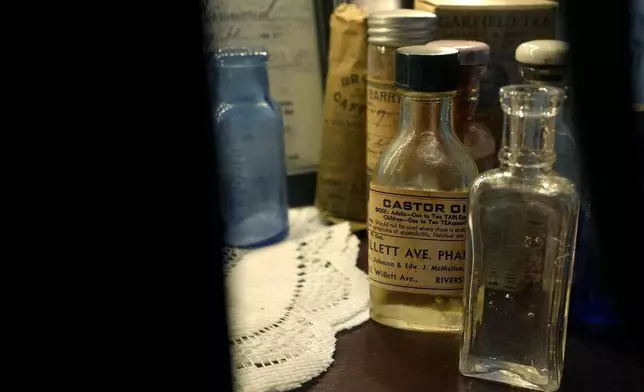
(287, 301)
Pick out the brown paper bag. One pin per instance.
(341, 185)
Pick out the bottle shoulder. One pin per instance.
(425, 162)
(260, 110)
(544, 184)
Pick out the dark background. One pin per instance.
(112, 259)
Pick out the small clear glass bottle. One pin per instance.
(521, 243)
(418, 201)
(249, 136)
(475, 135)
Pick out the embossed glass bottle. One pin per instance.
(249, 137)
(522, 229)
(418, 201)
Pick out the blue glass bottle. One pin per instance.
(249, 138)
(591, 306)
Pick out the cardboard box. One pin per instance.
(502, 24)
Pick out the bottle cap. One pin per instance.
(401, 27)
(469, 52)
(427, 69)
(546, 52)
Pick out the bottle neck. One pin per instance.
(528, 143)
(427, 113)
(241, 83)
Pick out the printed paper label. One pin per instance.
(383, 107)
(417, 240)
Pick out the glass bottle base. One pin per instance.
(269, 241)
(416, 312)
(509, 373)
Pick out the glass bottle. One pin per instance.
(388, 31)
(418, 201)
(592, 308)
(521, 243)
(249, 136)
(475, 135)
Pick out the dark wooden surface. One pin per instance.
(374, 358)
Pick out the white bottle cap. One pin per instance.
(542, 52)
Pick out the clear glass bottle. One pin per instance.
(418, 201)
(521, 243)
(475, 135)
(388, 31)
(249, 136)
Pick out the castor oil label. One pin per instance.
(417, 240)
